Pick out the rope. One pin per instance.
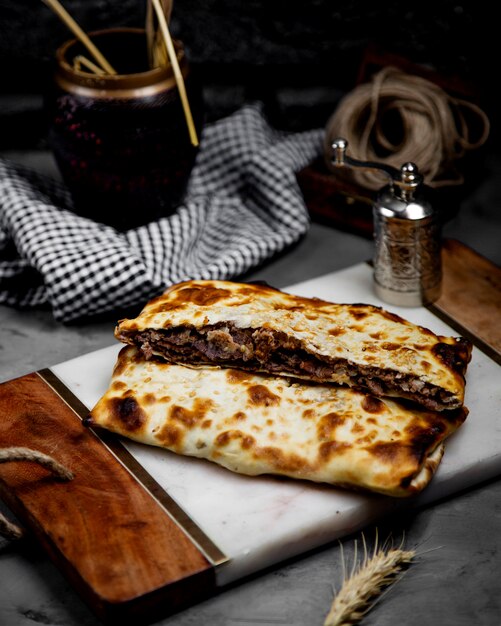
(8, 529)
(398, 117)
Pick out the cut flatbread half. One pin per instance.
(261, 329)
(259, 424)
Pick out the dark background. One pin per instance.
(297, 57)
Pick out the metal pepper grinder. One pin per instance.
(407, 234)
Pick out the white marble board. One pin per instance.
(259, 521)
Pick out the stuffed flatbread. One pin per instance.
(261, 329)
(259, 424)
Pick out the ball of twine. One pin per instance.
(399, 117)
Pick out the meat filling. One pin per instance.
(263, 349)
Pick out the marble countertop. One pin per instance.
(455, 579)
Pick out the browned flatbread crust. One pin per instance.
(257, 424)
(261, 329)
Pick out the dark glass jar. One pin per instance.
(121, 141)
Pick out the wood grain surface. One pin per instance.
(118, 547)
(471, 296)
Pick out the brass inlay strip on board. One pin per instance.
(175, 512)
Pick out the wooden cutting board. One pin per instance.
(141, 532)
(471, 296)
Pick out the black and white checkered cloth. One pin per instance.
(242, 206)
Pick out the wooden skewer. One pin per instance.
(80, 60)
(157, 52)
(161, 57)
(61, 12)
(177, 71)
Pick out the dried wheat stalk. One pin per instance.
(365, 582)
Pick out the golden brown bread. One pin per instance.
(256, 424)
(261, 329)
